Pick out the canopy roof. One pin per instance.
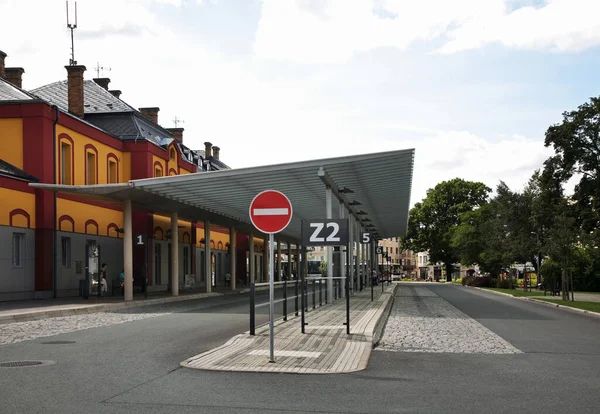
(375, 187)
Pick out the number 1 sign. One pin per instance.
(327, 232)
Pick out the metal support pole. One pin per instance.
(285, 300)
(302, 277)
(347, 286)
(350, 253)
(252, 309)
(296, 295)
(271, 300)
(314, 294)
(329, 215)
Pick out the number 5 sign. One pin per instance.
(327, 232)
(365, 237)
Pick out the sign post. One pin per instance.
(271, 212)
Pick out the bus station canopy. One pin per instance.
(375, 187)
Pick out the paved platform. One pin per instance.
(325, 348)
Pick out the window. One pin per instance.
(158, 172)
(112, 172)
(66, 163)
(66, 252)
(18, 250)
(172, 153)
(91, 168)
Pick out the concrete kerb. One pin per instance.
(541, 302)
(87, 309)
(383, 317)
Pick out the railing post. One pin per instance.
(296, 295)
(285, 300)
(347, 308)
(314, 294)
(252, 309)
(320, 293)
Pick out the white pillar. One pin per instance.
(128, 250)
(364, 250)
(232, 263)
(207, 257)
(359, 249)
(174, 256)
(252, 268)
(342, 257)
(329, 214)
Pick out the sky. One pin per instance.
(471, 85)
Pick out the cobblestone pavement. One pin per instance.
(11, 333)
(421, 321)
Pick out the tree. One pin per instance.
(576, 142)
(432, 222)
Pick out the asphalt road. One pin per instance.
(134, 367)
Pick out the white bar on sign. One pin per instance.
(271, 211)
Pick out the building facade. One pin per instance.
(78, 132)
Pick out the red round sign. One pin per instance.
(270, 211)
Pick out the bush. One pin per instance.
(504, 284)
(479, 281)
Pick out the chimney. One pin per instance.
(177, 133)
(102, 82)
(2, 57)
(14, 76)
(75, 88)
(207, 150)
(151, 114)
(116, 93)
(216, 152)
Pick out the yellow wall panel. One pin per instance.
(80, 141)
(126, 163)
(11, 141)
(12, 200)
(82, 212)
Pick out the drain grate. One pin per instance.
(58, 342)
(16, 364)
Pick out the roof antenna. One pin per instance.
(72, 27)
(177, 121)
(99, 68)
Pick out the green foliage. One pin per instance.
(432, 222)
(323, 268)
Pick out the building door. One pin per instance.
(157, 263)
(92, 267)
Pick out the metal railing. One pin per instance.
(311, 288)
(285, 286)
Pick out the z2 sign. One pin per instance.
(327, 232)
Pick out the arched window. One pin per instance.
(172, 153)
(66, 153)
(91, 164)
(112, 169)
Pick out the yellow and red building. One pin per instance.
(77, 132)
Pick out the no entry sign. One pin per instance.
(270, 211)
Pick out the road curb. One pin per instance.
(383, 317)
(46, 314)
(535, 300)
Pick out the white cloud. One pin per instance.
(333, 31)
(561, 25)
(254, 118)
